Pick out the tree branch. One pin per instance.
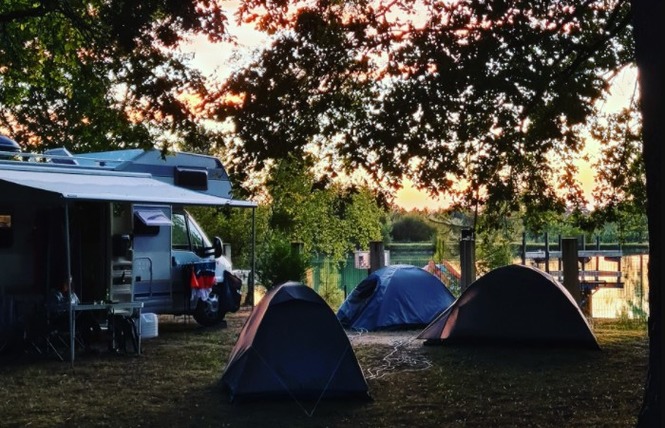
(600, 43)
(43, 9)
(584, 54)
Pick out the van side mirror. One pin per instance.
(219, 248)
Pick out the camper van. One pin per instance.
(112, 228)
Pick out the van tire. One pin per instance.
(205, 315)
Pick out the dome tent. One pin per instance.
(513, 304)
(396, 296)
(292, 346)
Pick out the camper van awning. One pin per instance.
(112, 187)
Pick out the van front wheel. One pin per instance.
(207, 312)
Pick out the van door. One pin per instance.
(151, 261)
(190, 247)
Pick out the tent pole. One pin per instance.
(69, 285)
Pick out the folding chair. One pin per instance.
(48, 333)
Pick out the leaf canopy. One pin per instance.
(482, 100)
(102, 74)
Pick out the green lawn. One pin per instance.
(175, 384)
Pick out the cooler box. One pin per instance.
(149, 326)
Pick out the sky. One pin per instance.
(215, 59)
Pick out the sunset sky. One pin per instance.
(216, 60)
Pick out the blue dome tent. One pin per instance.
(513, 304)
(292, 346)
(397, 296)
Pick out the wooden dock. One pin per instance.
(590, 280)
(541, 254)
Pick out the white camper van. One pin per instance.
(112, 227)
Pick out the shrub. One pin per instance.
(278, 263)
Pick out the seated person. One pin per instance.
(58, 311)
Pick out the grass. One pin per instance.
(175, 383)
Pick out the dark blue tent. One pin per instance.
(397, 296)
(513, 304)
(293, 346)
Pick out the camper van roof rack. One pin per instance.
(61, 157)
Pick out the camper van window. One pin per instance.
(187, 234)
(6, 231)
(197, 237)
(179, 232)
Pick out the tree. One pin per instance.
(493, 249)
(449, 226)
(621, 179)
(234, 227)
(494, 244)
(412, 228)
(328, 218)
(99, 75)
(482, 99)
(649, 45)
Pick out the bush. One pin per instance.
(333, 295)
(329, 287)
(279, 263)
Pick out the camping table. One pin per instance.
(111, 308)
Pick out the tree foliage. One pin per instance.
(98, 75)
(621, 178)
(328, 218)
(412, 228)
(234, 227)
(279, 262)
(493, 249)
(482, 99)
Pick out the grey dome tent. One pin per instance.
(396, 296)
(513, 304)
(292, 346)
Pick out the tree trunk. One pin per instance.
(649, 47)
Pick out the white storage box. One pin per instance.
(149, 326)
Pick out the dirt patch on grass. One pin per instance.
(385, 338)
